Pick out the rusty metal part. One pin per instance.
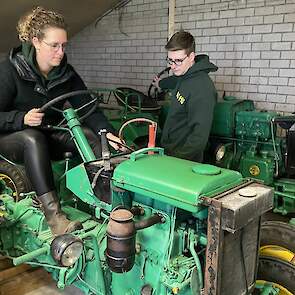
(121, 231)
(214, 248)
(207, 201)
(154, 219)
(233, 239)
(120, 250)
(137, 211)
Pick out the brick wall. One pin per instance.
(251, 41)
(125, 48)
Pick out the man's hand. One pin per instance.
(115, 141)
(33, 118)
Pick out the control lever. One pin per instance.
(105, 151)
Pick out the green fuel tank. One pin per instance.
(178, 182)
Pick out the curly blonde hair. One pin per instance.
(33, 23)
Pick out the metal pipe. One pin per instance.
(30, 256)
(156, 218)
(99, 273)
(284, 195)
(79, 137)
(192, 241)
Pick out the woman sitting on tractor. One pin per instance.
(34, 73)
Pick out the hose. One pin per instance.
(156, 218)
(276, 156)
(135, 120)
(192, 242)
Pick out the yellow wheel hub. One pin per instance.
(278, 252)
(283, 291)
(9, 182)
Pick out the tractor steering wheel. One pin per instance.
(68, 95)
(153, 92)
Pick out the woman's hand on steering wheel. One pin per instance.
(33, 118)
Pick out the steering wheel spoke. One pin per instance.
(153, 92)
(56, 109)
(69, 95)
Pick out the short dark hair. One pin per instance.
(181, 40)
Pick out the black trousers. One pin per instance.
(34, 148)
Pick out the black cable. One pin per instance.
(121, 4)
(122, 144)
(95, 178)
(243, 261)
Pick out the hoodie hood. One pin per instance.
(202, 63)
(24, 60)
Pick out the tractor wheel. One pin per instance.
(277, 240)
(15, 178)
(280, 273)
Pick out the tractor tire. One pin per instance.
(279, 234)
(15, 178)
(271, 216)
(276, 271)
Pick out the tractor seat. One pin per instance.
(285, 122)
(135, 100)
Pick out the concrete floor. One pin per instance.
(34, 282)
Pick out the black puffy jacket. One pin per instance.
(23, 88)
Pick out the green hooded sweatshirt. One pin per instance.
(187, 127)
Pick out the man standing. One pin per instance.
(186, 129)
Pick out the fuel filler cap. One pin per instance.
(206, 169)
(247, 192)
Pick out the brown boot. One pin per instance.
(56, 219)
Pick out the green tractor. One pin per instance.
(152, 225)
(260, 145)
(128, 111)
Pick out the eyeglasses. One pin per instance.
(56, 46)
(177, 61)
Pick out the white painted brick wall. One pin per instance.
(251, 41)
(125, 48)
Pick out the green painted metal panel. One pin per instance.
(257, 167)
(284, 197)
(77, 181)
(80, 139)
(254, 124)
(224, 115)
(172, 180)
